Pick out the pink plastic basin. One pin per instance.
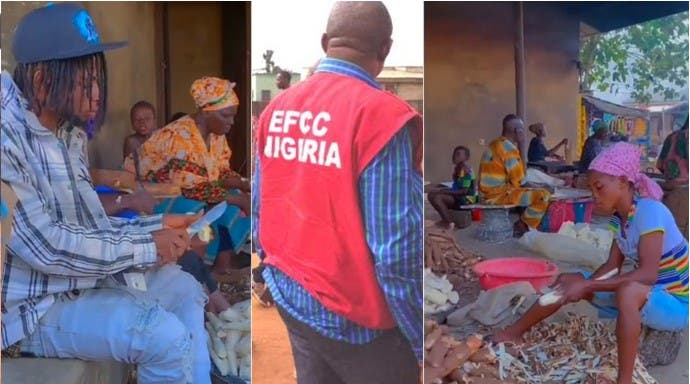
(497, 272)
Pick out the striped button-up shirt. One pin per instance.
(62, 240)
(391, 196)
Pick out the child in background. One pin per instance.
(655, 293)
(143, 119)
(462, 192)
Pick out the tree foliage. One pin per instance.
(650, 58)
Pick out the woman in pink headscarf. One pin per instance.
(655, 293)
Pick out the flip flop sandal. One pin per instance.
(260, 293)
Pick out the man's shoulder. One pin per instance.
(13, 104)
(501, 145)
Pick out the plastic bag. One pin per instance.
(536, 176)
(597, 237)
(562, 248)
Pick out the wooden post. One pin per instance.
(520, 71)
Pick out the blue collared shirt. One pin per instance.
(391, 196)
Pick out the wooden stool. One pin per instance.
(495, 226)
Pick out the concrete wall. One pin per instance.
(12, 12)
(406, 90)
(470, 76)
(267, 81)
(194, 52)
(132, 72)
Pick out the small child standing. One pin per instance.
(143, 119)
(463, 190)
(655, 293)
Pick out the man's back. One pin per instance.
(500, 167)
(337, 223)
(323, 136)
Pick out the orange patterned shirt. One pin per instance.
(178, 154)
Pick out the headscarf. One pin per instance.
(623, 159)
(212, 94)
(536, 128)
(599, 125)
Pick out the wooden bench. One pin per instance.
(495, 225)
(62, 371)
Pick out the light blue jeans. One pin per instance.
(160, 330)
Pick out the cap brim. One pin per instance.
(85, 51)
(115, 45)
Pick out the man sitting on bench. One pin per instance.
(502, 177)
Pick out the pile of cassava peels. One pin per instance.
(447, 360)
(444, 256)
(577, 351)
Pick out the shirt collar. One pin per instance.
(14, 104)
(342, 67)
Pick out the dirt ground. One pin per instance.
(271, 356)
(675, 373)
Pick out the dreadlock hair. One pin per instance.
(60, 78)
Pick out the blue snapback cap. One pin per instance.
(59, 31)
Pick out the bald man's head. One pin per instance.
(358, 31)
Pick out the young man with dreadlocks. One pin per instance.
(76, 283)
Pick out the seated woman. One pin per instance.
(537, 149)
(193, 152)
(656, 292)
(462, 192)
(673, 164)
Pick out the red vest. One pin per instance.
(315, 140)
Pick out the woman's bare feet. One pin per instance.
(445, 225)
(519, 228)
(222, 264)
(217, 302)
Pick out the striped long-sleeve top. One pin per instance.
(62, 239)
(391, 195)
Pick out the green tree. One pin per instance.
(652, 57)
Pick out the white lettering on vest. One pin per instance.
(303, 127)
(276, 120)
(291, 118)
(288, 148)
(333, 157)
(316, 150)
(320, 132)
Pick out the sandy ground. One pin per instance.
(675, 373)
(271, 356)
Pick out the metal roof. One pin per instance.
(607, 16)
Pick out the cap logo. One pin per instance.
(86, 27)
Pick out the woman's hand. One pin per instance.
(236, 182)
(140, 200)
(573, 290)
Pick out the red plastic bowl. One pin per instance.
(497, 272)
